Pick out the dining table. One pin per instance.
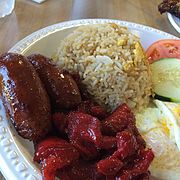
(29, 16)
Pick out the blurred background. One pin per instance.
(29, 16)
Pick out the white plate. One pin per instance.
(175, 21)
(16, 154)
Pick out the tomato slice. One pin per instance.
(168, 48)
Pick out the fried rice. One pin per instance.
(111, 63)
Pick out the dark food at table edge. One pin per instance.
(76, 138)
(171, 6)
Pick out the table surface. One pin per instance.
(29, 16)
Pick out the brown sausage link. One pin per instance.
(24, 97)
(61, 87)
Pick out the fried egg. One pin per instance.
(160, 127)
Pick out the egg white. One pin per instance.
(160, 127)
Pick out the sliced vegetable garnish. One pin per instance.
(168, 48)
(166, 78)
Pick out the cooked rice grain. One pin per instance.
(111, 63)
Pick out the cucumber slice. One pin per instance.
(162, 98)
(166, 78)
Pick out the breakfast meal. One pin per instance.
(171, 6)
(100, 108)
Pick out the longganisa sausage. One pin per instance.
(24, 97)
(60, 86)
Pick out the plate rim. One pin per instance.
(19, 47)
(173, 22)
